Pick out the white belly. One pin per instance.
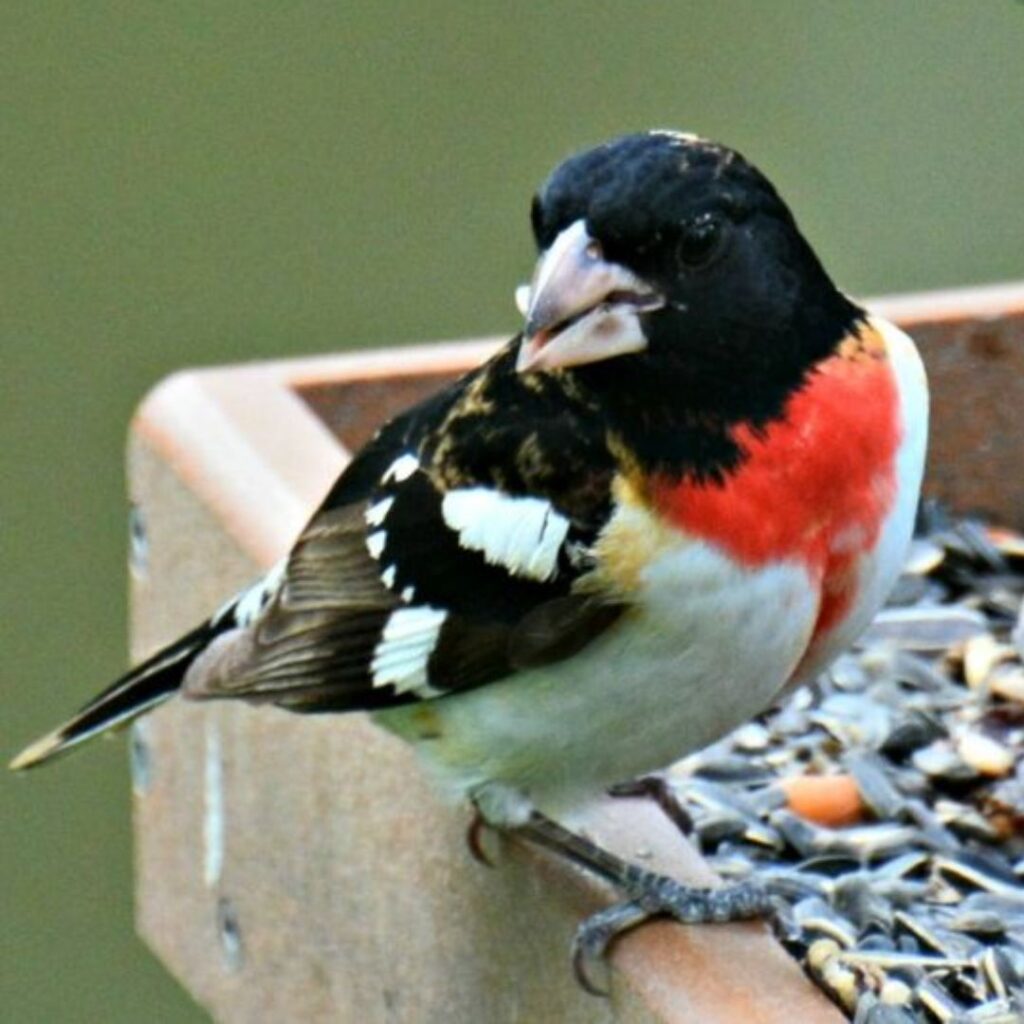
(708, 645)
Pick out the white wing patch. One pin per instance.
(401, 655)
(375, 544)
(376, 514)
(401, 469)
(523, 535)
(252, 601)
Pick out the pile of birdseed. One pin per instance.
(909, 906)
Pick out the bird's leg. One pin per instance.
(648, 894)
(655, 788)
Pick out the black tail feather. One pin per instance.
(137, 691)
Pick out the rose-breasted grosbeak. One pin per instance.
(684, 488)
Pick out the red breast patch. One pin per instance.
(815, 486)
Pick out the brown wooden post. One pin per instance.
(301, 869)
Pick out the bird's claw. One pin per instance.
(475, 840)
(595, 934)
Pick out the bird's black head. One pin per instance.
(674, 282)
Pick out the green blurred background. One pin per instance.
(198, 183)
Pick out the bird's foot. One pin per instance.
(647, 893)
(653, 895)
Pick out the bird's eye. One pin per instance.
(701, 241)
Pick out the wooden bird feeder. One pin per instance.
(300, 868)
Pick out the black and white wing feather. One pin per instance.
(447, 556)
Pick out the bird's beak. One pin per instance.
(580, 307)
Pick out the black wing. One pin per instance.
(446, 556)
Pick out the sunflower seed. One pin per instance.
(751, 738)
(982, 654)
(984, 754)
(872, 1009)
(1009, 543)
(998, 1011)
(928, 630)
(1007, 681)
(978, 542)
(941, 761)
(876, 790)
(837, 978)
(915, 730)
(895, 992)
(924, 557)
(815, 916)
(965, 820)
(938, 1002)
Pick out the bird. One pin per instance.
(680, 491)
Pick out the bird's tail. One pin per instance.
(137, 691)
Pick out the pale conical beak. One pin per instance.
(581, 308)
